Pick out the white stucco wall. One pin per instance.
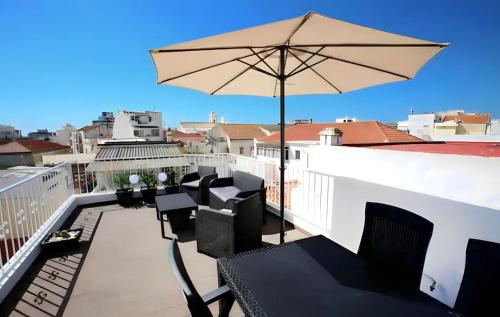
(469, 179)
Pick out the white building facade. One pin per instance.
(132, 125)
(8, 132)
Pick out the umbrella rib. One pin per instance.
(304, 62)
(238, 75)
(304, 20)
(256, 68)
(173, 50)
(307, 67)
(275, 73)
(373, 45)
(211, 66)
(318, 74)
(357, 64)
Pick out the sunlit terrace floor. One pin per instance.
(121, 269)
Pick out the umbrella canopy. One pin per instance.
(312, 54)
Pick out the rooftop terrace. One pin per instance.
(120, 270)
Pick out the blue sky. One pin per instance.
(66, 61)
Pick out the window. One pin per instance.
(132, 118)
(241, 150)
(149, 119)
(155, 132)
(286, 154)
(297, 154)
(139, 133)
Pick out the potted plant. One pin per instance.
(171, 186)
(148, 191)
(61, 239)
(124, 192)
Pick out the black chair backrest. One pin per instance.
(245, 181)
(248, 222)
(196, 305)
(394, 243)
(479, 292)
(205, 170)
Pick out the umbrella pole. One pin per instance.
(282, 144)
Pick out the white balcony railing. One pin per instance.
(27, 208)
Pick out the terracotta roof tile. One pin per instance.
(12, 147)
(39, 146)
(370, 132)
(469, 118)
(243, 131)
(185, 137)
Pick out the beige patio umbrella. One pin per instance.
(311, 54)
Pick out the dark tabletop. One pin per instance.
(174, 202)
(315, 277)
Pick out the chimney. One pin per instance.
(330, 137)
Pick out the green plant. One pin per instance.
(171, 178)
(62, 234)
(121, 180)
(148, 179)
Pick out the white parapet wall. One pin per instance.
(470, 179)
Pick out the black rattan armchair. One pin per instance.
(480, 288)
(196, 184)
(229, 231)
(394, 245)
(197, 304)
(224, 191)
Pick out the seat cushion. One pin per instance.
(225, 193)
(193, 184)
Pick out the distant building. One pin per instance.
(105, 118)
(300, 137)
(346, 119)
(238, 138)
(28, 152)
(451, 125)
(195, 127)
(191, 142)
(86, 139)
(295, 121)
(8, 132)
(41, 134)
(63, 135)
(133, 125)
(212, 117)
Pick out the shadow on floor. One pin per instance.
(46, 287)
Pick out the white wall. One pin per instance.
(454, 223)
(421, 125)
(234, 146)
(470, 179)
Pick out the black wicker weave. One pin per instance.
(312, 277)
(222, 233)
(196, 184)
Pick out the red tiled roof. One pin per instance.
(243, 131)
(370, 132)
(12, 147)
(469, 118)
(486, 149)
(39, 146)
(186, 137)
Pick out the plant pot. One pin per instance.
(124, 196)
(148, 194)
(60, 245)
(171, 189)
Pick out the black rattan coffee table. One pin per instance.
(177, 208)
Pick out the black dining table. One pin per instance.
(315, 277)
